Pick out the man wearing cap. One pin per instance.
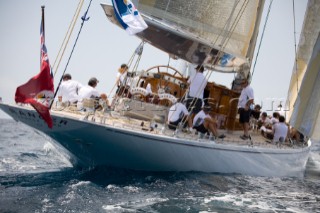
(90, 90)
(69, 90)
(204, 123)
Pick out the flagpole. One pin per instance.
(42, 30)
(42, 22)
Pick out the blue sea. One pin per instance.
(36, 176)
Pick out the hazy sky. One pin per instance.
(102, 46)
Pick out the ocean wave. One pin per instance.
(116, 209)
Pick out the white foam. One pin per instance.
(46, 204)
(116, 208)
(112, 187)
(111, 207)
(45, 200)
(9, 161)
(69, 197)
(48, 147)
(52, 151)
(132, 188)
(224, 198)
(81, 183)
(154, 200)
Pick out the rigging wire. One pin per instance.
(215, 42)
(165, 12)
(295, 45)
(262, 35)
(67, 37)
(83, 18)
(224, 41)
(138, 51)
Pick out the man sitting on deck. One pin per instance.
(177, 114)
(204, 123)
(89, 92)
(280, 130)
(69, 90)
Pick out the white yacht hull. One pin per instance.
(95, 144)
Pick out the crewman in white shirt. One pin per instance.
(198, 82)
(280, 130)
(204, 123)
(245, 100)
(177, 113)
(89, 91)
(69, 90)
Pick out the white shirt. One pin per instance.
(176, 111)
(266, 121)
(280, 130)
(245, 96)
(199, 118)
(148, 88)
(274, 120)
(197, 84)
(69, 90)
(122, 78)
(88, 92)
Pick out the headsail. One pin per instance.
(306, 113)
(304, 86)
(193, 29)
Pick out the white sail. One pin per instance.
(305, 116)
(192, 30)
(211, 21)
(306, 59)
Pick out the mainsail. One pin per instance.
(192, 30)
(303, 94)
